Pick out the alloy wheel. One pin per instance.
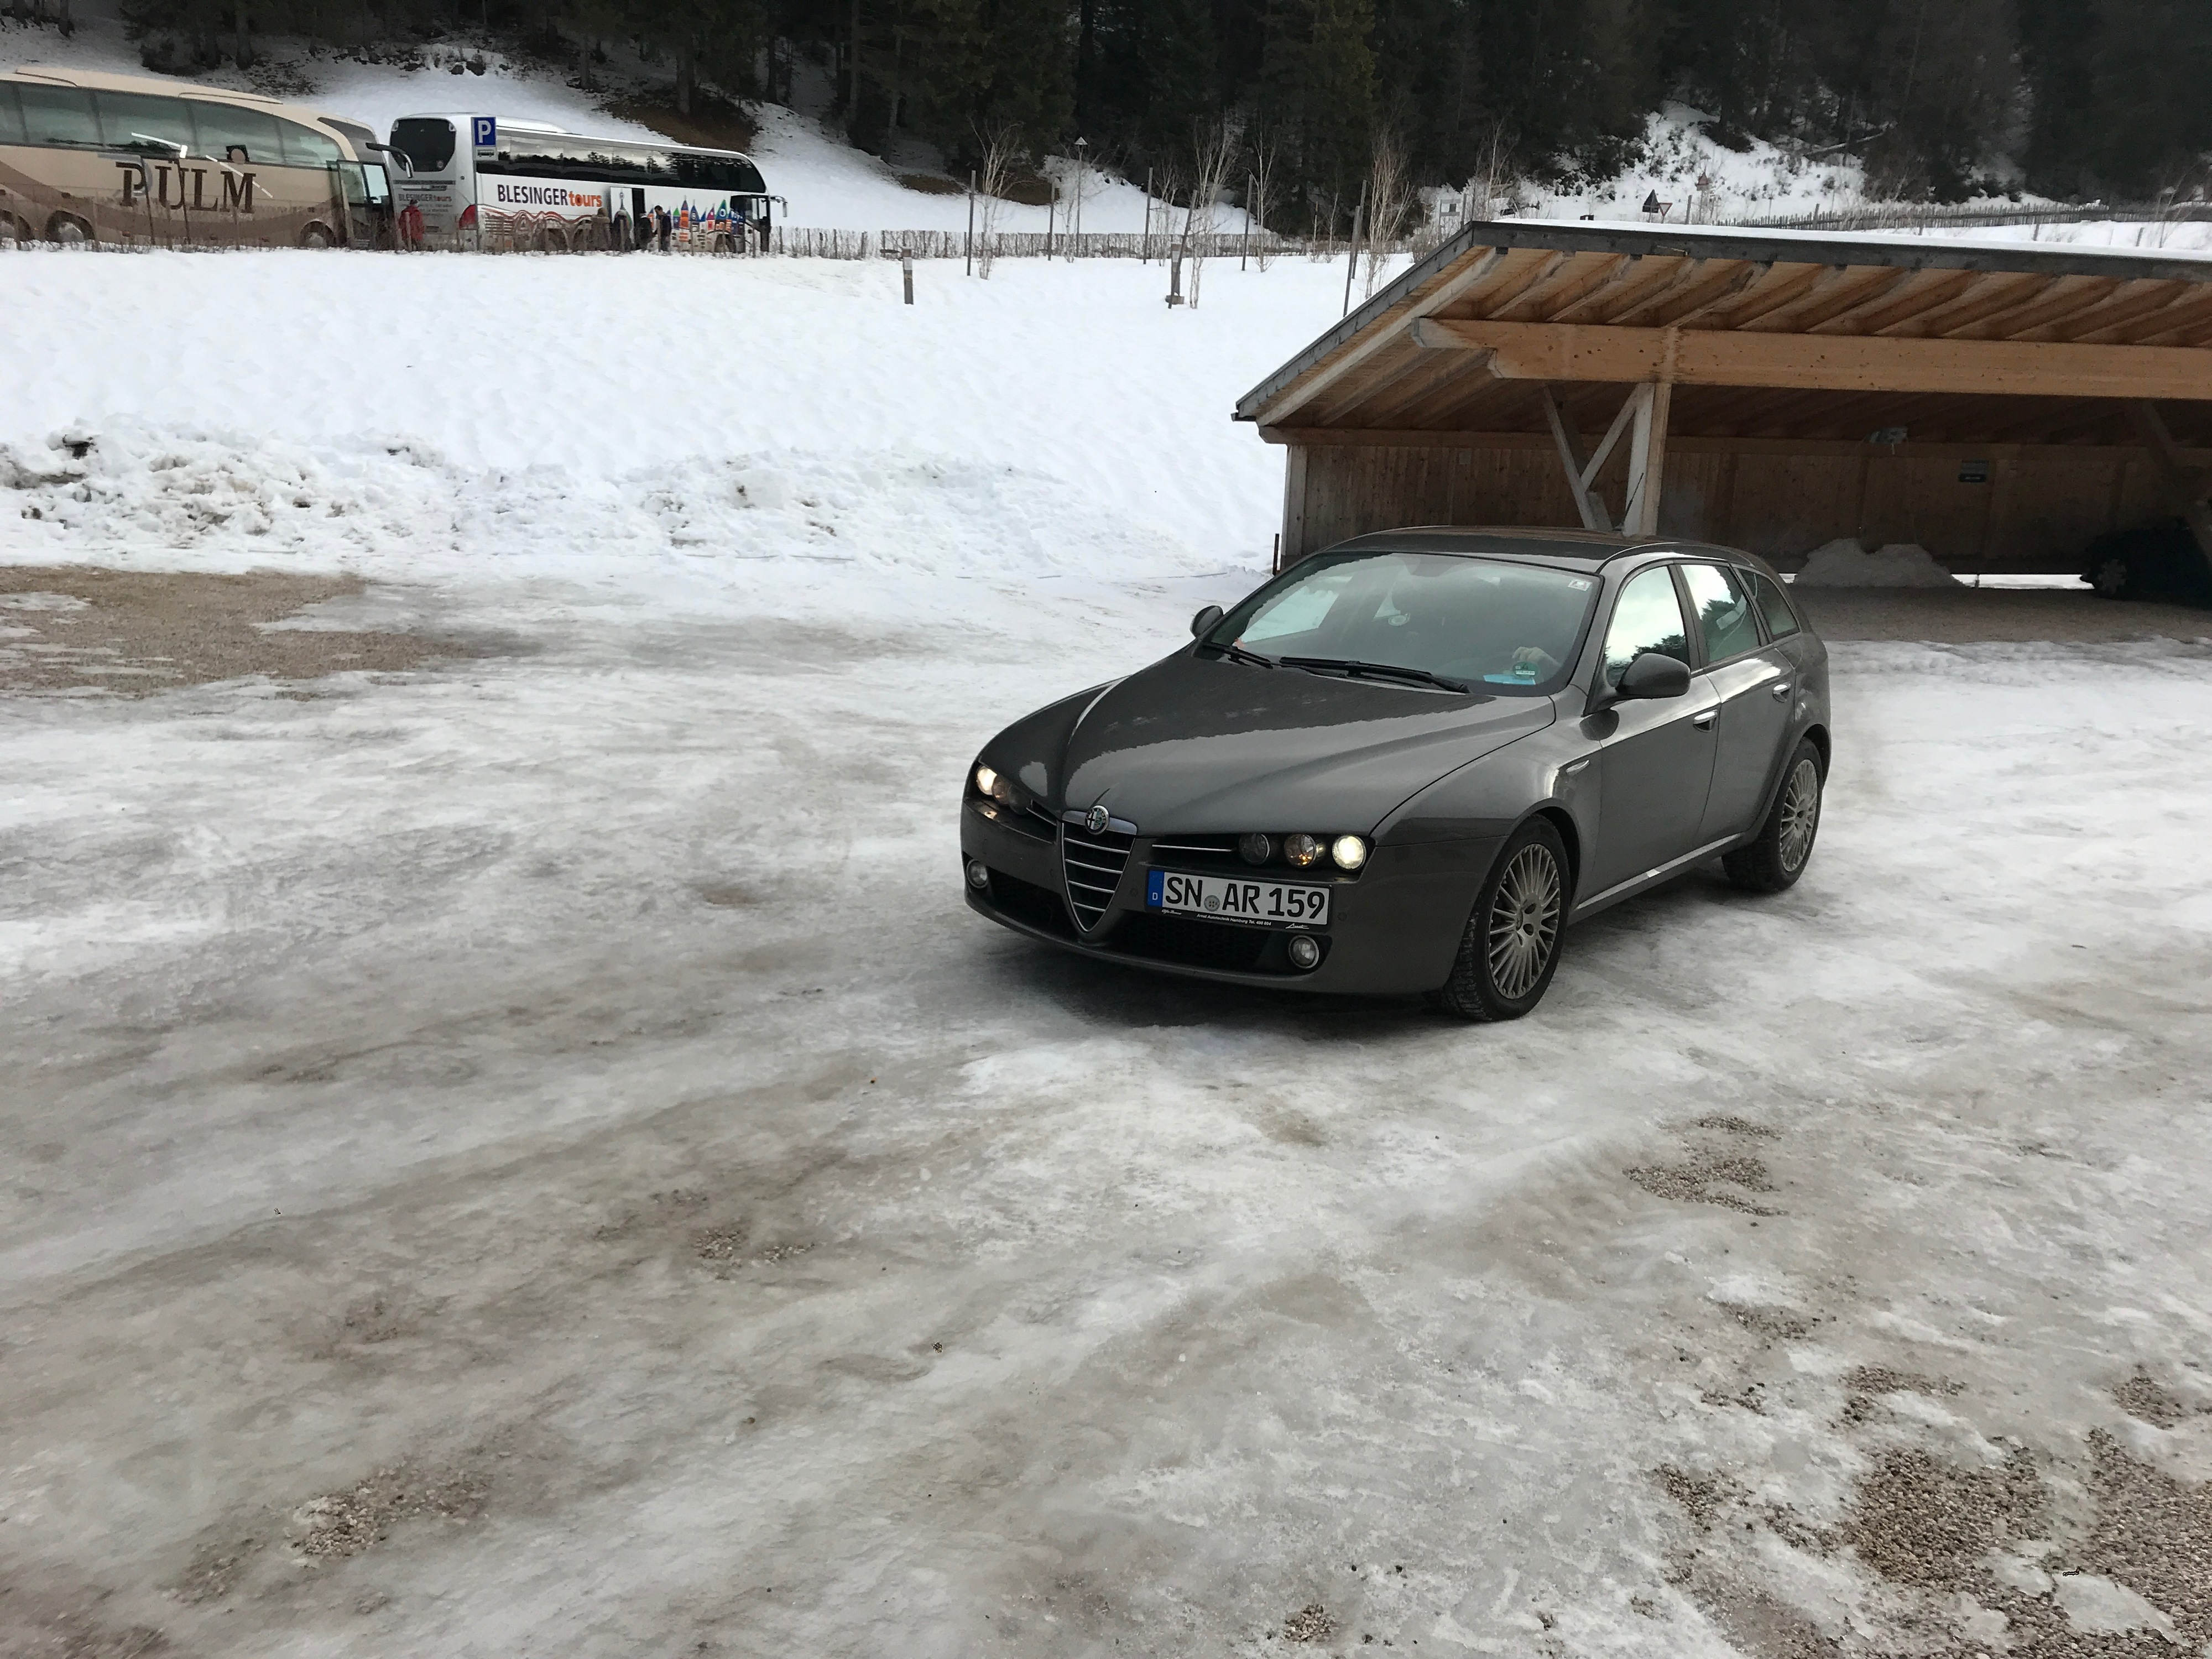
(1801, 814)
(1524, 921)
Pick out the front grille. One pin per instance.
(1092, 866)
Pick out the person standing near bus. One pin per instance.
(667, 222)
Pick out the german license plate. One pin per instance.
(1225, 898)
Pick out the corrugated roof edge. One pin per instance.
(1780, 246)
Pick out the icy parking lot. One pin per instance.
(526, 1152)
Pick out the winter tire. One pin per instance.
(13, 229)
(2112, 577)
(316, 236)
(1512, 946)
(1778, 854)
(68, 230)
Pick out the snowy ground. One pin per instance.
(532, 1156)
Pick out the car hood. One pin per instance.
(1206, 746)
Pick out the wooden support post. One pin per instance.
(1647, 459)
(1593, 513)
(1293, 544)
(2187, 486)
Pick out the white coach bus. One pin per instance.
(485, 181)
(88, 157)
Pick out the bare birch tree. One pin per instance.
(1001, 147)
(1265, 149)
(1215, 146)
(1390, 199)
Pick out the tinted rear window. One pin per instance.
(1774, 605)
(426, 141)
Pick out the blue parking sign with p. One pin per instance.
(487, 128)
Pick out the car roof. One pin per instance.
(1578, 549)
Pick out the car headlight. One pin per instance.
(986, 782)
(1301, 850)
(1255, 849)
(1349, 852)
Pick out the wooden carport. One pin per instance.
(1999, 404)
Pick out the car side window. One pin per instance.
(1723, 609)
(1774, 605)
(1647, 617)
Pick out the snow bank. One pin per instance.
(776, 434)
(1845, 563)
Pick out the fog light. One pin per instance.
(1301, 850)
(1349, 851)
(987, 780)
(978, 877)
(1255, 847)
(1305, 950)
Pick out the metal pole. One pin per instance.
(1352, 264)
(1245, 252)
(1145, 249)
(971, 225)
(906, 270)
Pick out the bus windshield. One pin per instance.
(426, 142)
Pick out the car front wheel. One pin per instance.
(1512, 943)
(1784, 844)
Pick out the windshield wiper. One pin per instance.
(1379, 670)
(1237, 653)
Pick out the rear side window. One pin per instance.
(229, 133)
(1774, 605)
(1723, 609)
(11, 115)
(1646, 617)
(426, 141)
(306, 148)
(133, 120)
(60, 116)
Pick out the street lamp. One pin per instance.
(1082, 154)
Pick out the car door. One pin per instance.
(1655, 757)
(1751, 680)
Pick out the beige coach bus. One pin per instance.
(121, 158)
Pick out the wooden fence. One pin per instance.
(801, 243)
(1938, 215)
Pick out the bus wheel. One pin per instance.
(68, 229)
(13, 229)
(316, 236)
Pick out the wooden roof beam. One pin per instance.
(1925, 291)
(2064, 294)
(1546, 351)
(1572, 281)
(2132, 301)
(1360, 348)
(1638, 274)
(2189, 311)
(1990, 297)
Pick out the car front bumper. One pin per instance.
(1394, 931)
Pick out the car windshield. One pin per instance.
(1476, 623)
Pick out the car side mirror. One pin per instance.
(1653, 676)
(1202, 623)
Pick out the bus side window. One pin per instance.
(306, 148)
(225, 127)
(11, 115)
(60, 116)
(127, 119)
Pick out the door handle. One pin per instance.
(1781, 689)
(1704, 722)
